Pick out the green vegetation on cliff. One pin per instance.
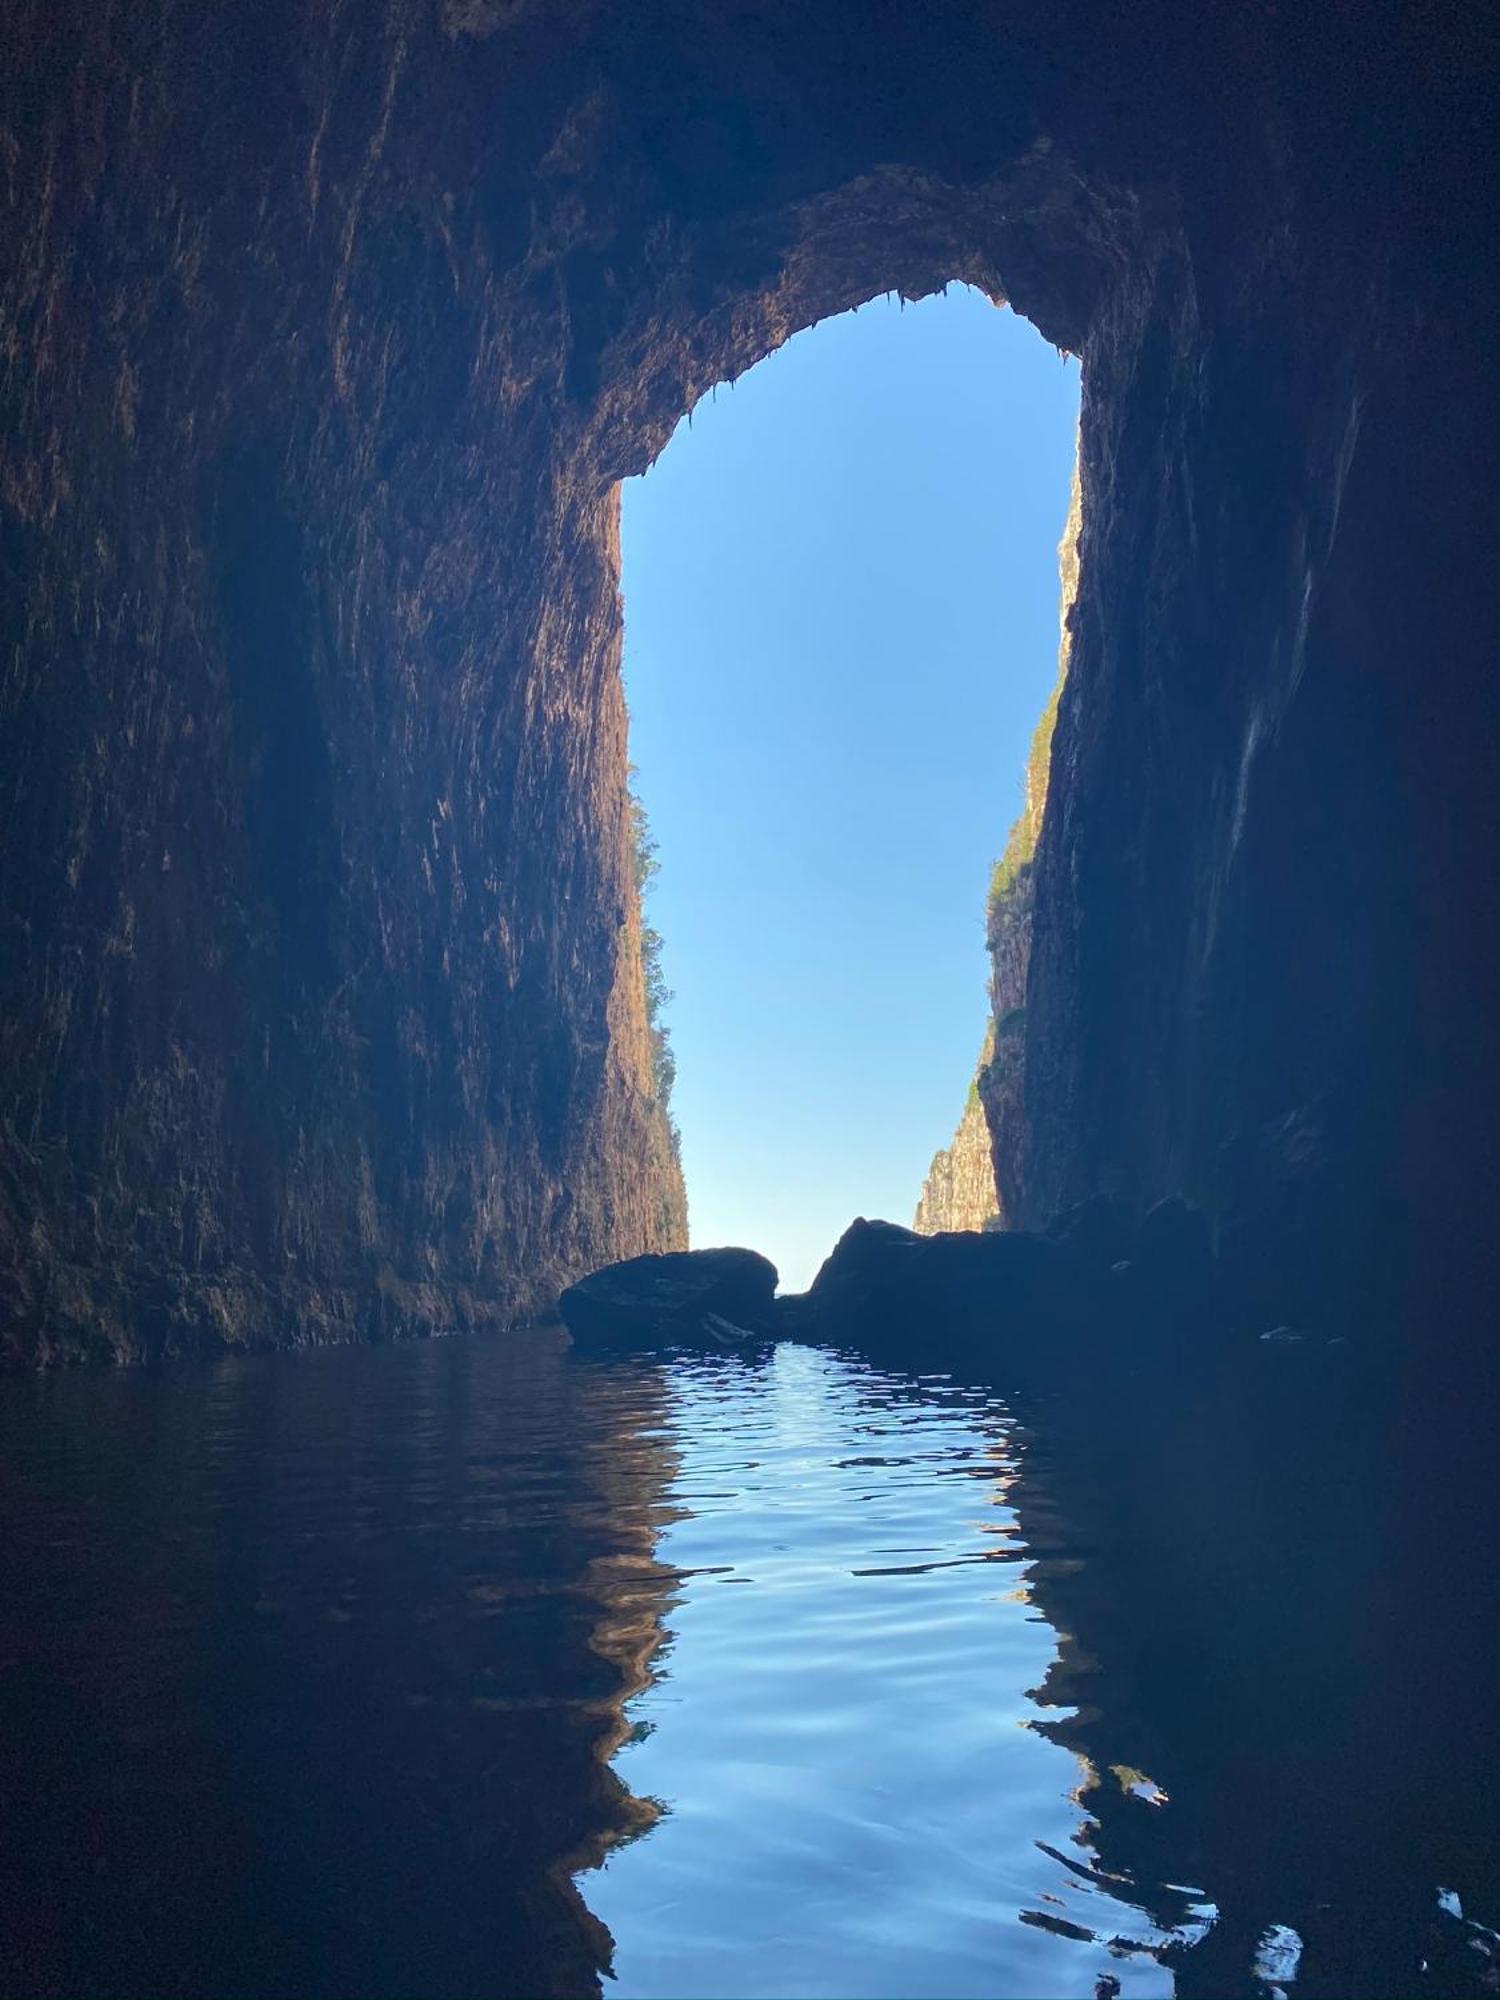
(1020, 844)
(1001, 1079)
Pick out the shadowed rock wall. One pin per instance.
(326, 333)
(1261, 931)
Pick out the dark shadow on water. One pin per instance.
(1282, 1605)
(312, 1666)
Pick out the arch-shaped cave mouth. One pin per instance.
(1038, 237)
(522, 241)
(841, 629)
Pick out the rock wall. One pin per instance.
(959, 1191)
(320, 992)
(1002, 1070)
(1259, 938)
(326, 333)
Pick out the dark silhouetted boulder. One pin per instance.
(1174, 1236)
(1099, 1231)
(1171, 1272)
(705, 1296)
(867, 1259)
(1001, 1289)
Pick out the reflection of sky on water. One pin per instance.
(315, 1666)
(839, 1727)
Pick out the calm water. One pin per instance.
(474, 1668)
(841, 1731)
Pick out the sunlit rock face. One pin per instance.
(958, 1186)
(959, 1191)
(1008, 918)
(328, 337)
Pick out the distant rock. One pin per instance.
(710, 1297)
(1008, 918)
(959, 1191)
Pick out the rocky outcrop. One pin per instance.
(709, 1297)
(1021, 1302)
(959, 1191)
(325, 339)
(1001, 1081)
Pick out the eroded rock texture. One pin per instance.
(327, 331)
(959, 1191)
(1008, 919)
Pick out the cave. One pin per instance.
(328, 335)
(331, 337)
(841, 626)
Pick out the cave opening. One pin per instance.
(841, 630)
(330, 335)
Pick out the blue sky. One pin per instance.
(840, 627)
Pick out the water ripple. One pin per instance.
(854, 1799)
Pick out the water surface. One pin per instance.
(479, 1668)
(841, 1730)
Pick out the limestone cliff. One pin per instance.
(959, 1191)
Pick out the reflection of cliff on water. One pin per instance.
(313, 1667)
(1278, 1605)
